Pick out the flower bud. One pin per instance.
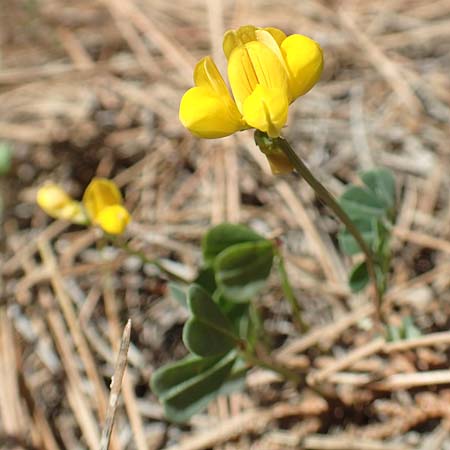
(104, 206)
(279, 162)
(59, 205)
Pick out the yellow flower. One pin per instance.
(59, 205)
(104, 206)
(267, 71)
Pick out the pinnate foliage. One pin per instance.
(236, 263)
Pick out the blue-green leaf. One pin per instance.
(208, 332)
(361, 203)
(223, 236)
(410, 331)
(168, 377)
(359, 277)
(178, 292)
(206, 279)
(241, 270)
(369, 231)
(381, 183)
(187, 386)
(394, 333)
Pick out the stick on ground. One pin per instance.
(115, 386)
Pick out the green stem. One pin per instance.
(329, 200)
(289, 294)
(142, 256)
(286, 373)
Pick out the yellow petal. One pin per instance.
(208, 110)
(236, 38)
(206, 74)
(59, 205)
(253, 64)
(248, 33)
(113, 219)
(277, 34)
(304, 61)
(266, 38)
(209, 115)
(266, 109)
(100, 194)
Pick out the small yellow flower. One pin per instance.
(59, 205)
(267, 71)
(104, 206)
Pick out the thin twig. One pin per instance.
(116, 385)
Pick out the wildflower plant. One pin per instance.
(267, 71)
(223, 332)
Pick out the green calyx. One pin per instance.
(272, 149)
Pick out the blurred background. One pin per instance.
(92, 88)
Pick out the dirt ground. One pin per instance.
(92, 88)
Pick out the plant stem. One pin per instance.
(141, 255)
(329, 200)
(289, 294)
(286, 373)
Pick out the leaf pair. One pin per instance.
(240, 258)
(187, 386)
(375, 199)
(237, 263)
(368, 207)
(208, 332)
(406, 330)
(371, 208)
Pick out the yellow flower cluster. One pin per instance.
(102, 205)
(267, 71)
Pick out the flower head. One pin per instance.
(102, 205)
(267, 71)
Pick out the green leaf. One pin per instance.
(369, 231)
(407, 330)
(359, 277)
(168, 377)
(208, 332)
(187, 386)
(206, 279)
(178, 292)
(223, 236)
(236, 379)
(5, 158)
(381, 183)
(361, 203)
(394, 333)
(236, 313)
(410, 331)
(241, 270)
